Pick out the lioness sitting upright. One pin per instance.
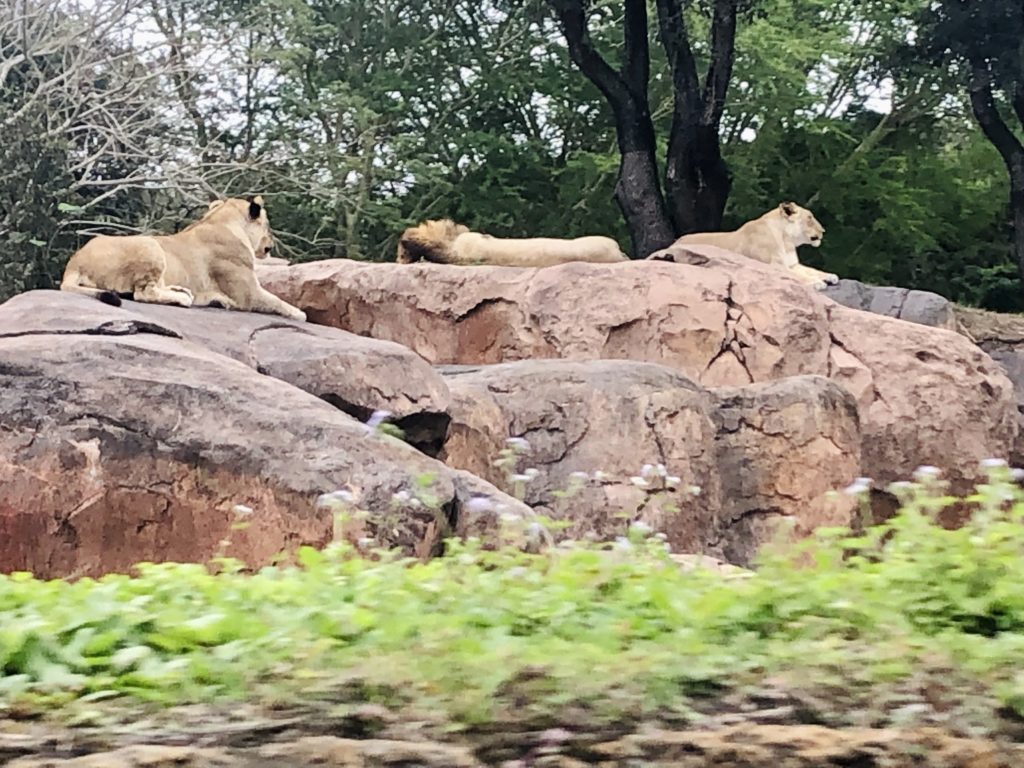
(445, 242)
(209, 263)
(772, 238)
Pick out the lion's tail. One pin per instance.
(72, 284)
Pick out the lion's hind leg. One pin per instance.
(153, 293)
(146, 267)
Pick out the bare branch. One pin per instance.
(636, 64)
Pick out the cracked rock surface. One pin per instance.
(119, 444)
(925, 395)
(747, 449)
(612, 416)
(781, 448)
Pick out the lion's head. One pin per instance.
(801, 225)
(428, 241)
(252, 216)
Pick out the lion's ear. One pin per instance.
(789, 209)
(215, 204)
(255, 206)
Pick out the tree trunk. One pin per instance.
(697, 179)
(983, 105)
(638, 189)
(1017, 205)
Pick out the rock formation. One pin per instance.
(732, 461)
(922, 307)
(152, 433)
(925, 395)
(122, 442)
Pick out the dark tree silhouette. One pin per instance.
(696, 185)
(984, 41)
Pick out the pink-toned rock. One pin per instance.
(578, 417)
(926, 395)
(783, 448)
(353, 373)
(120, 444)
(733, 461)
(1002, 337)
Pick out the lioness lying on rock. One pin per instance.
(209, 263)
(772, 238)
(445, 242)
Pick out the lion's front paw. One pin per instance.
(824, 282)
(297, 314)
(181, 296)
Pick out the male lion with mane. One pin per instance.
(773, 239)
(209, 263)
(445, 242)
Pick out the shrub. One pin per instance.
(480, 635)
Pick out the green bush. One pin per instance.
(478, 636)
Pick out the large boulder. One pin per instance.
(610, 417)
(735, 460)
(925, 395)
(783, 448)
(353, 373)
(923, 307)
(122, 443)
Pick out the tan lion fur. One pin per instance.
(209, 263)
(445, 242)
(773, 239)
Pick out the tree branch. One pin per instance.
(676, 42)
(920, 102)
(723, 48)
(636, 65)
(573, 18)
(986, 112)
(1018, 102)
(183, 81)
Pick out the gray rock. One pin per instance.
(921, 307)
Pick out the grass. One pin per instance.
(905, 618)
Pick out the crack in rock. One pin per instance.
(480, 306)
(731, 343)
(875, 394)
(109, 328)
